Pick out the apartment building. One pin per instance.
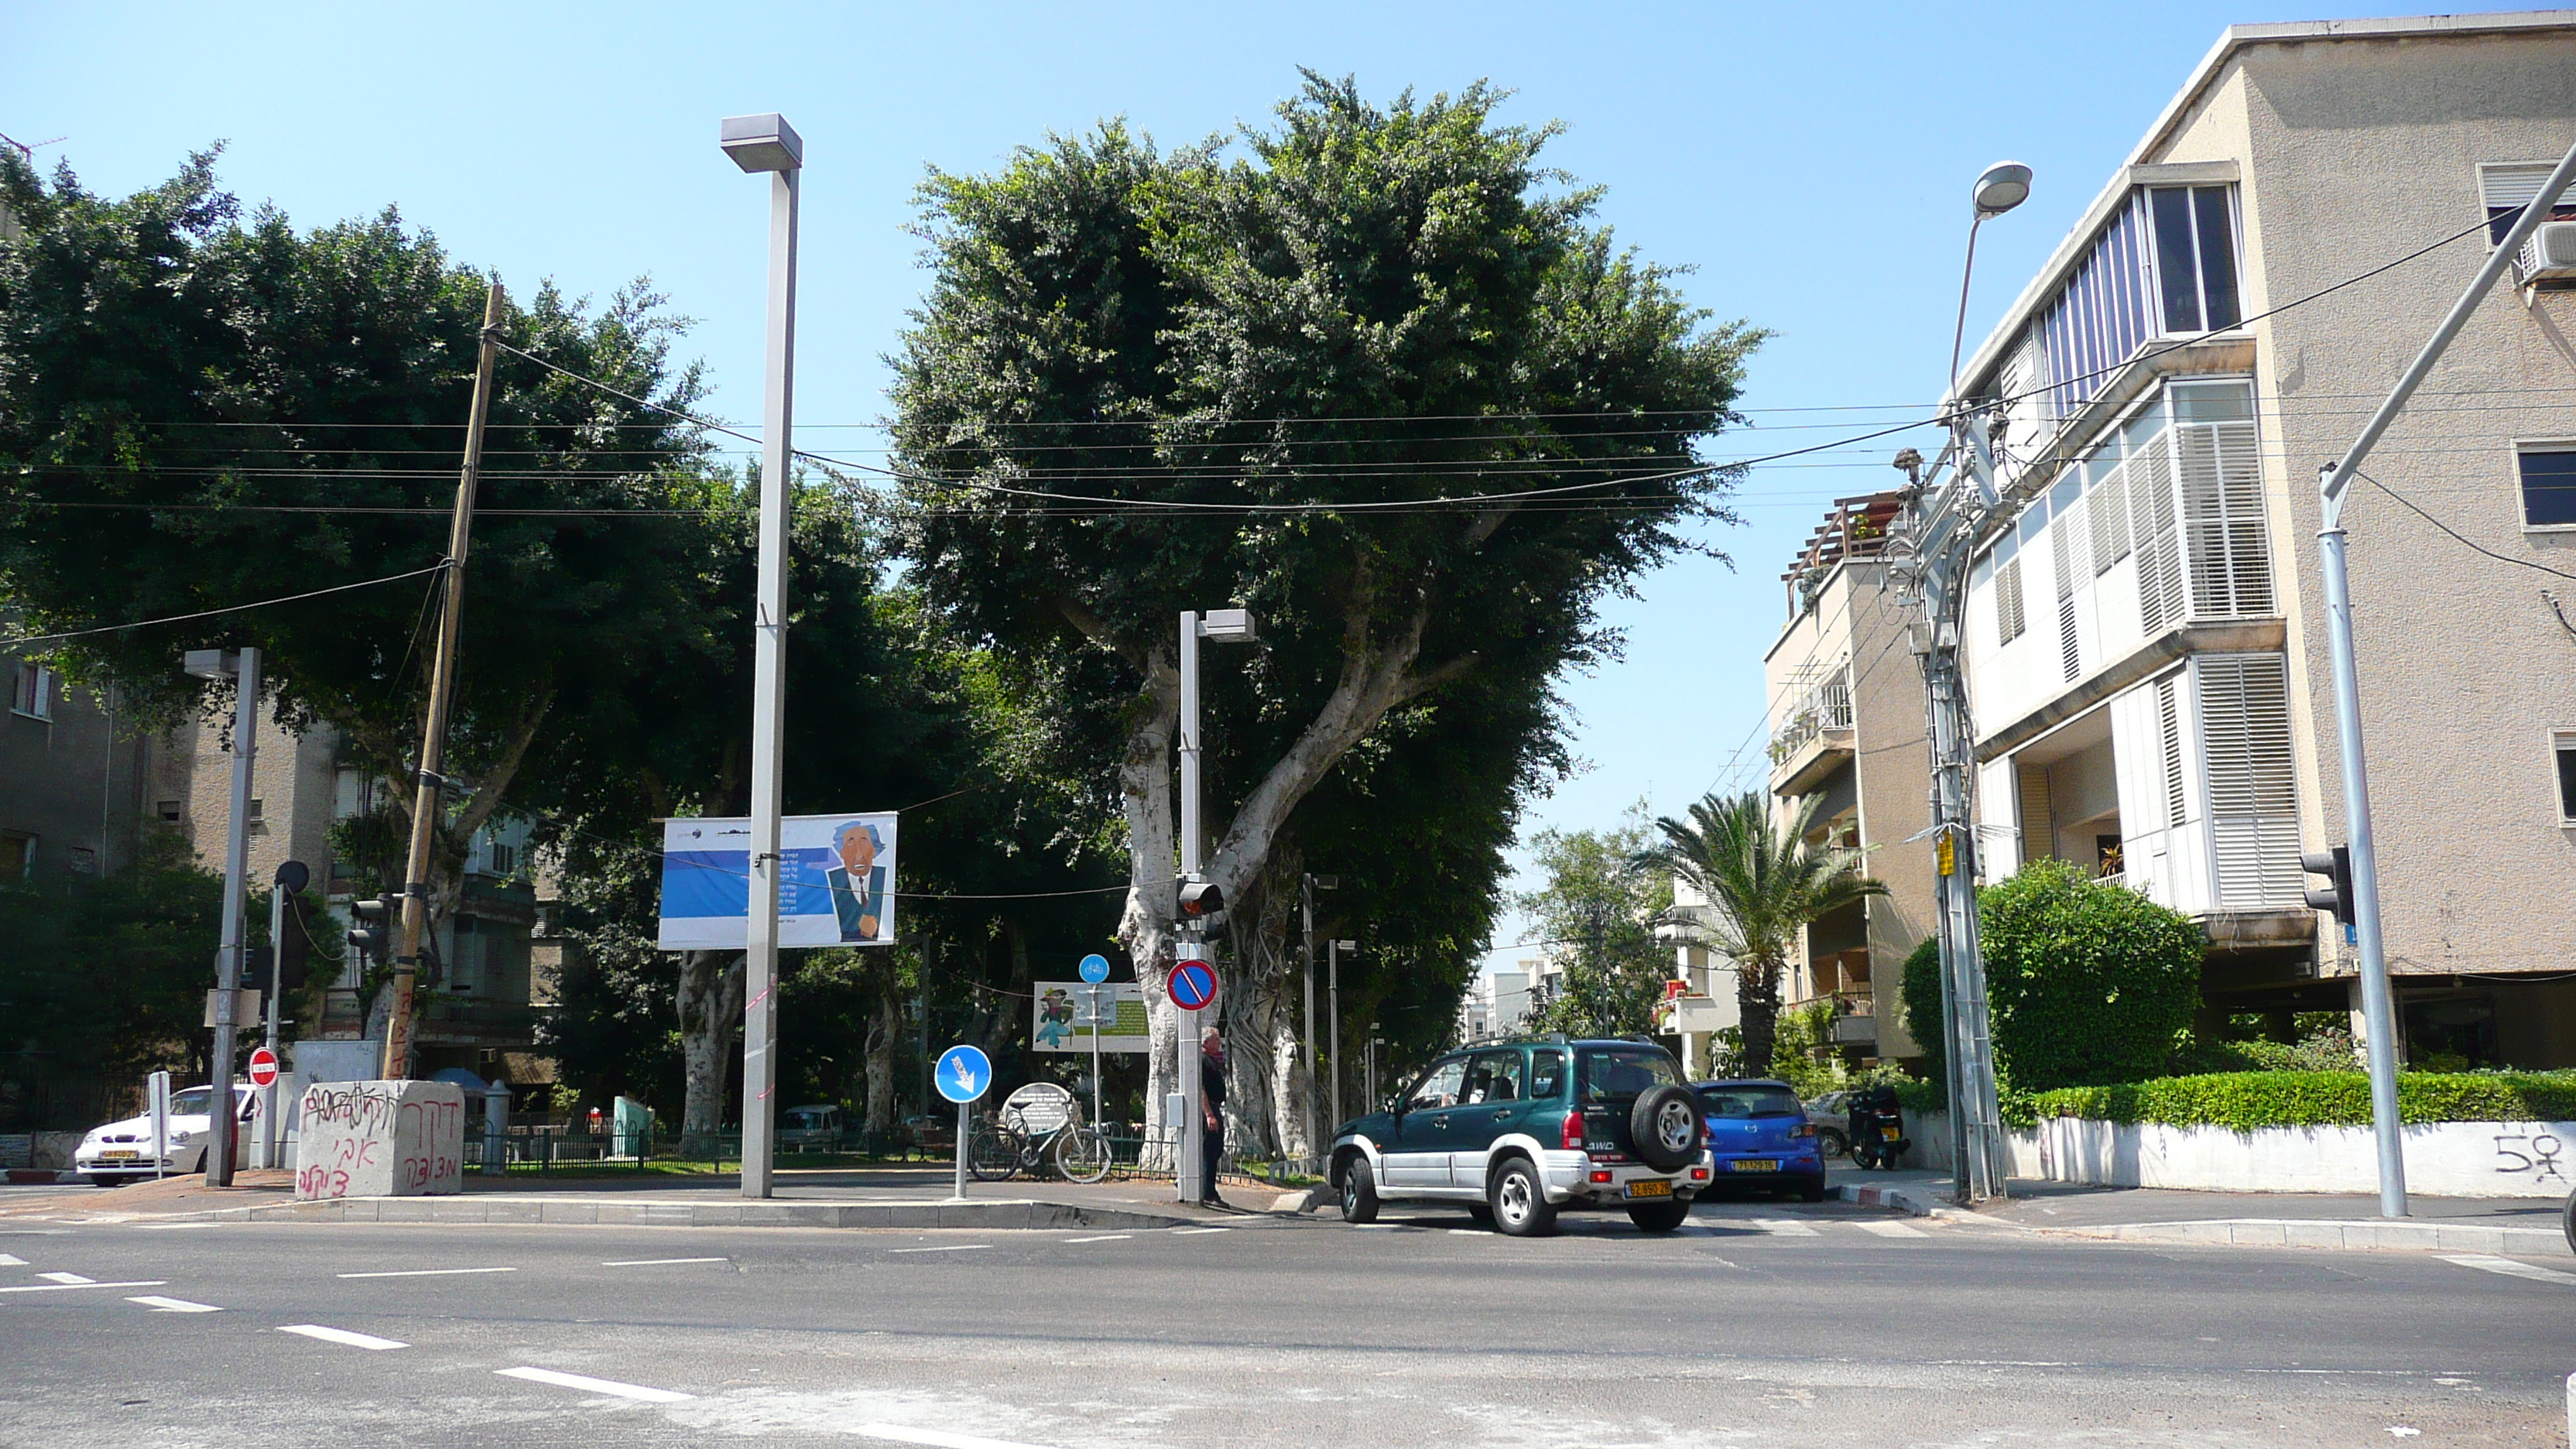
(67, 779)
(1847, 733)
(2145, 630)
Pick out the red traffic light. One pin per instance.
(1200, 899)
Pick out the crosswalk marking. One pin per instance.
(2510, 1268)
(1892, 1230)
(1784, 1227)
(12, 1260)
(590, 1385)
(159, 1304)
(1103, 1238)
(68, 1278)
(341, 1335)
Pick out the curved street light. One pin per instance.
(1999, 189)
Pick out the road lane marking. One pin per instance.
(12, 1260)
(425, 1273)
(659, 1262)
(940, 1438)
(72, 1279)
(1189, 1232)
(159, 1304)
(1784, 1227)
(1892, 1230)
(341, 1335)
(594, 1386)
(947, 1248)
(2510, 1268)
(1103, 1238)
(65, 1287)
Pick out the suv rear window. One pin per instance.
(1751, 1102)
(1619, 1074)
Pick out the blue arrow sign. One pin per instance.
(1192, 985)
(1095, 969)
(963, 1074)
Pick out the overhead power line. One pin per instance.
(438, 567)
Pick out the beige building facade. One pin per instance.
(2145, 636)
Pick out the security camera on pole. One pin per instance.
(1198, 898)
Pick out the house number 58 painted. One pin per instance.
(2536, 1153)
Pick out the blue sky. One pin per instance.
(1812, 163)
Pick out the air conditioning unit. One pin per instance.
(2550, 253)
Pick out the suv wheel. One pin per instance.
(1520, 1204)
(1659, 1217)
(1666, 1127)
(1359, 1191)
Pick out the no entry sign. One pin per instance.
(1192, 984)
(263, 1068)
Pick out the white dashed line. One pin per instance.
(366, 1341)
(425, 1273)
(659, 1262)
(68, 1287)
(12, 1260)
(1191, 1232)
(593, 1386)
(2510, 1268)
(949, 1248)
(1892, 1230)
(160, 1304)
(1784, 1227)
(1103, 1238)
(71, 1279)
(939, 1438)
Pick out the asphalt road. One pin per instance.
(1757, 1325)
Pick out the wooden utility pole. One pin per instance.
(427, 808)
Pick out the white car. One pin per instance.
(121, 1152)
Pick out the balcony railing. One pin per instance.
(1825, 706)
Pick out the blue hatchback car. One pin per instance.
(1759, 1135)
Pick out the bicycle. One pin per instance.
(1040, 1122)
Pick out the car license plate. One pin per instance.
(1650, 1189)
(1890, 1134)
(117, 1156)
(1759, 1164)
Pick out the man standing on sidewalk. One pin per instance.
(1211, 1112)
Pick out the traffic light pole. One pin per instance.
(430, 793)
(276, 978)
(1191, 946)
(2334, 484)
(223, 1119)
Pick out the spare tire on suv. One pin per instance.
(1666, 1128)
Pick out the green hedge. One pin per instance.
(2246, 1101)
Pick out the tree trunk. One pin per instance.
(1145, 927)
(710, 1001)
(1757, 1002)
(884, 1026)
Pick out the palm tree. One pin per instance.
(1763, 886)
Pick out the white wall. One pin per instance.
(2443, 1159)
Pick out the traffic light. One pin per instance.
(1200, 901)
(374, 933)
(2335, 896)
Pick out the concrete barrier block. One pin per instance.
(380, 1139)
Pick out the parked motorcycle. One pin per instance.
(1877, 1128)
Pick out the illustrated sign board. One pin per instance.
(1061, 1006)
(263, 1068)
(1193, 985)
(837, 887)
(963, 1074)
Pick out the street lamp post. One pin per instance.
(757, 144)
(222, 1118)
(1334, 960)
(1306, 1104)
(1221, 626)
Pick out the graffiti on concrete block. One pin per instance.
(381, 1139)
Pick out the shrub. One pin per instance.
(2246, 1101)
(1920, 991)
(2088, 982)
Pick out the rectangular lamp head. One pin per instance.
(762, 143)
(1227, 625)
(211, 663)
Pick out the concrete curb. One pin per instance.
(494, 1209)
(2343, 1235)
(1913, 1201)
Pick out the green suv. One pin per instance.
(1522, 1130)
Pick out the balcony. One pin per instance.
(1815, 739)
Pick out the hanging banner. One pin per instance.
(836, 887)
(1063, 1010)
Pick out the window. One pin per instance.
(504, 859)
(168, 810)
(2009, 617)
(84, 860)
(1624, 1073)
(17, 855)
(32, 693)
(1494, 1077)
(2548, 486)
(1744, 1102)
(1547, 1074)
(2253, 797)
(2565, 747)
(2195, 257)
(1438, 1087)
(2508, 187)
(257, 822)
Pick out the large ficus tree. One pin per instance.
(1378, 377)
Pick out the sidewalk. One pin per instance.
(2527, 1226)
(916, 1196)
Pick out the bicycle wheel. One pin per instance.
(1082, 1154)
(992, 1153)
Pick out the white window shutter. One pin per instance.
(2108, 508)
(2253, 794)
(2169, 730)
(2009, 621)
(2222, 505)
